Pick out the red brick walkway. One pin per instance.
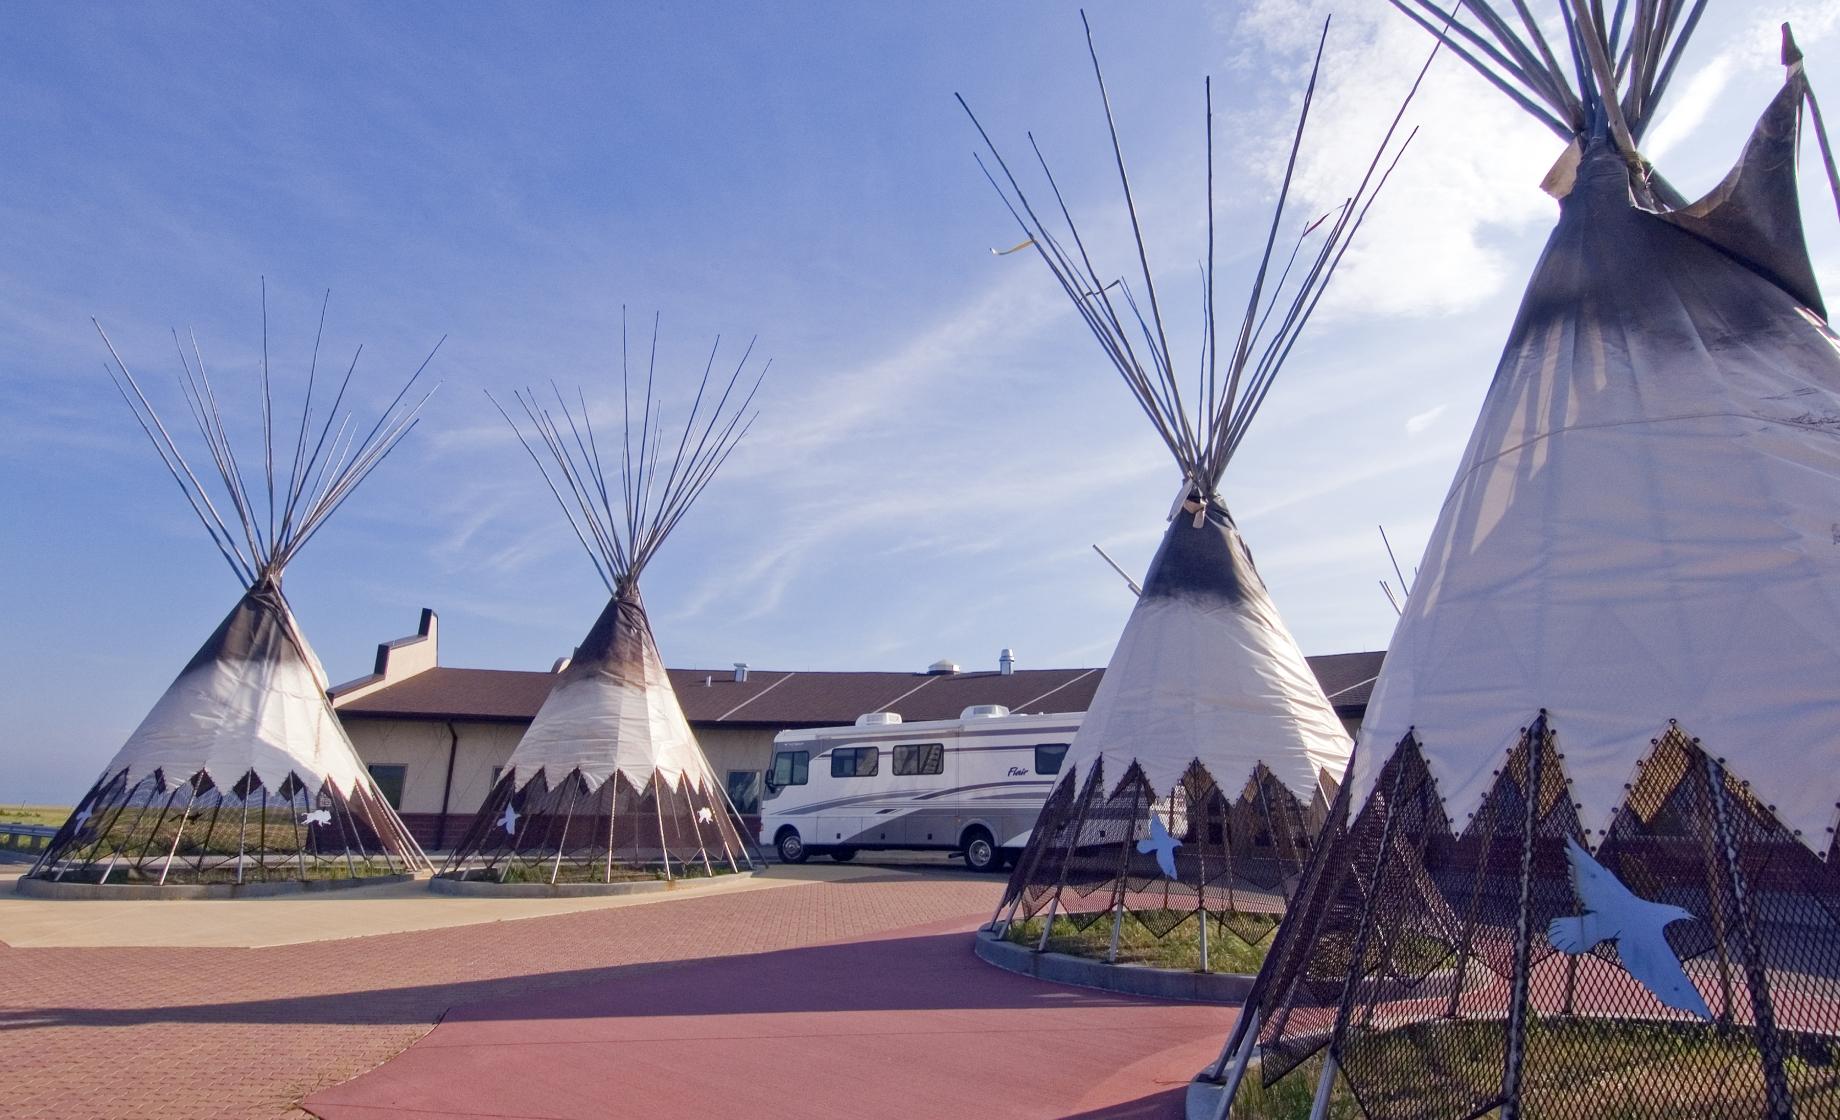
(908, 1024)
(150, 1033)
(93, 1034)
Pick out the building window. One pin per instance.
(744, 790)
(854, 762)
(790, 768)
(920, 758)
(389, 778)
(1049, 756)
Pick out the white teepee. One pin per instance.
(608, 782)
(1583, 840)
(241, 772)
(1209, 752)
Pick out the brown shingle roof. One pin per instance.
(794, 699)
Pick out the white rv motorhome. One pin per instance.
(973, 785)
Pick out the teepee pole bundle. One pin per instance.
(609, 782)
(1203, 431)
(247, 727)
(1582, 862)
(1209, 745)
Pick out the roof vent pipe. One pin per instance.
(741, 668)
(1006, 661)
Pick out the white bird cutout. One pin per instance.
(317, 816)
(79, 819)
(706, 815)
(1613, 913)
(509, 820)
(1164, 845)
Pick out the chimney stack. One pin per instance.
(741, 668)
(1006, 661)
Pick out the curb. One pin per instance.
(1202, 1101)
(46, 888)
(485, 888)
(1128, 979)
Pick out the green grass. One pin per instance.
(540, 870)
(1290, 1097)
(49, 815)
(1576, 1067)
(1179, 949)
(277, 870)
(1580, 1066)
(571, 873)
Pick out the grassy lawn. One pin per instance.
(49, 815)
(228, 832)
(1290, 1097)
(571, 873)
(278, 869)
(540, 870)
(1580, 1066)
(1575, 1067)
(1138, 943)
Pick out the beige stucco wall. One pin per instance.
(732, 748)
(422, 746)
(417, 745)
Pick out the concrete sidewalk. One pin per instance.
(255, 923)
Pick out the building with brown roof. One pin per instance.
(436, 737)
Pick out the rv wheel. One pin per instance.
(980, 851)
(791, 848)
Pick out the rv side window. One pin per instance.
(791, 768)
(1048, 757)
(920, 758)
(853, 762)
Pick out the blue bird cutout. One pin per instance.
(1612, 912)
(509, 820)
(1164, 845)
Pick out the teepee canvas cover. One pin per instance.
(241, 772)
(1209, 755)
(1582, 862)
(608, 782)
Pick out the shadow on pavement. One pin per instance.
(904, 973)
(1169, 1105)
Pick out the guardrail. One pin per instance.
(26, 839)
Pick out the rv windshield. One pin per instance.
(790, 768)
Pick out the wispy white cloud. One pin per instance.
(1430, 245)
(1418, 422)
(1751, 50)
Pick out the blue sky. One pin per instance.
(939, 442)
